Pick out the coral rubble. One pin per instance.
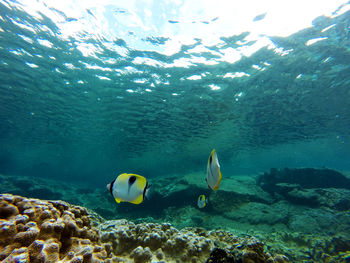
(33, 230)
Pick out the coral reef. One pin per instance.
(33, 230)
(162, 242)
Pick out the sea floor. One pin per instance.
(307, 224)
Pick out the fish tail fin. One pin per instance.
(148, 192)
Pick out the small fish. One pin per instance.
(130, 188)
(202, 201)
(259, 17)
(213, 171)
(71, 19)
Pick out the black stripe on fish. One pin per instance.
(210, 162)
(131, 181)
(144, 190)
(211, 172)
(111, 187)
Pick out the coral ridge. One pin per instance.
(33, 230)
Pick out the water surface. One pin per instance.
(89, 90)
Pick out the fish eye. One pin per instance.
(132, 179)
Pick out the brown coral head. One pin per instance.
(8, 210)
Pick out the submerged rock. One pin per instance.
(308, 186)
(304, 178)
(251, 253)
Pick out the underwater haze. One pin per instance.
(92, 89)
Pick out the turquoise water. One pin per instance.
(89, 93)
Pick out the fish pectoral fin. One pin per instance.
(137, 200)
